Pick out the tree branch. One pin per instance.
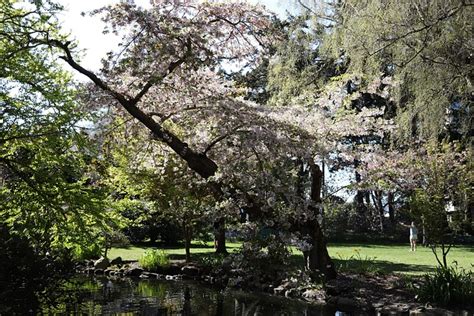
(172, 66)
(198, 162)
(220, 138)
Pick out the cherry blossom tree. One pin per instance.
(165, 75)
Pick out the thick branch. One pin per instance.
(200, 163)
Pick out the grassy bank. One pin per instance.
(387, 258)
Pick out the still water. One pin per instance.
(102, 296)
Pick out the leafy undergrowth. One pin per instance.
(448, 286)
(154, 259)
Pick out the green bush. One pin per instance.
(92, 251)
(211, 260)
(448, 286)
(152, 260)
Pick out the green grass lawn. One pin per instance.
(398, 258)
(388, 258)
(135, 252)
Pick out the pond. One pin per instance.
(103, 296)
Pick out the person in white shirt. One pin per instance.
(413, 236)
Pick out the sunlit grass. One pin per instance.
(396, 258)
(135, 252)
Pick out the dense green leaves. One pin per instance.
(48, 192)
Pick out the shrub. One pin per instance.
(211, 260)
(92, 251)
(448, 286)
(154, 259)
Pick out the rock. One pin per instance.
(134, 272)
(89, 271)
(332, 290)
(190, 270)
(291, 292)
(154, 275)
(108, 271)
(314, 295)
(278, 290)
(116, 261)
(171, 269)
(102, 263)
(347, 304)
(418, 311)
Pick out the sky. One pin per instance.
(88, 30)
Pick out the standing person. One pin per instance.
(413, 236)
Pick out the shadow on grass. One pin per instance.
(373, 266)
(366, 245)
(196, 257)
(159, 245)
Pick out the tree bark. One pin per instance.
(359, 199)
(219, 236)
(469, 215)
(391, 209)
(187, 240)
(377, 197)
(318, 256)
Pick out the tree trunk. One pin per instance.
(425, 236)
(187, 240)
(318, 256)
(469, 216)
(219, 236)
(391, 209)
(377, 197)
(359, 200)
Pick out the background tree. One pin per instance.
(425, 45)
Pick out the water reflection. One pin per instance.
(102, 296)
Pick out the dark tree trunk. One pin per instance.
(391, 209)
(367, 197)
(318, 258)
(425, 234)
(469, 215)
(187, 240)
(219, 236)
(377, 197)
(359, 198)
